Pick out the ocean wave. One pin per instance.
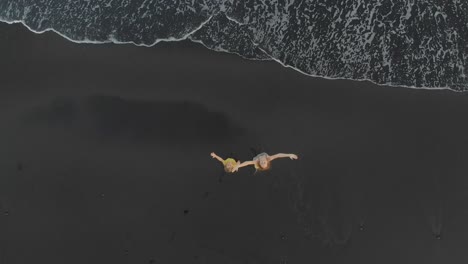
(395, 43)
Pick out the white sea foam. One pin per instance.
(352, 41)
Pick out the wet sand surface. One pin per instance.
(105, 158)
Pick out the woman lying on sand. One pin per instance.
(229, 163)
(262, 161)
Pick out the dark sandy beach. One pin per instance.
(105, 158)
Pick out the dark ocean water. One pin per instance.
(400, 43)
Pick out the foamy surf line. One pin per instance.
(115, 41)
(311, 43)
(110, 40)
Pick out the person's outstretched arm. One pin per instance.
(214, 156)
(243, 164)
(282, 155)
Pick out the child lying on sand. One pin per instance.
(229, 163)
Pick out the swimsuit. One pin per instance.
(257, 158)
(229, 161)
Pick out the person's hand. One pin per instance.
(293, 156)
(213, 155)
(236, 168)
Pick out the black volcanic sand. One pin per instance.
(105, 159)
